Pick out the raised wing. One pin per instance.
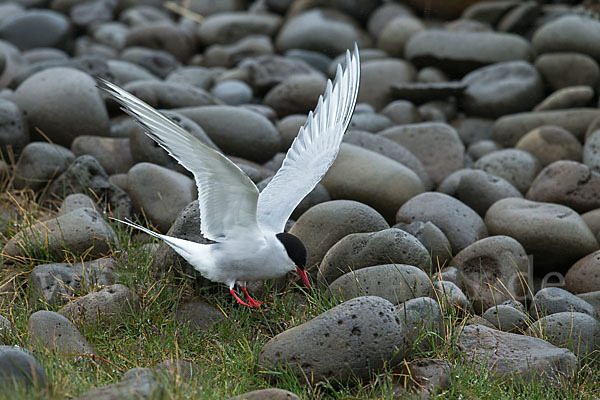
(226, 195)
(314, 149)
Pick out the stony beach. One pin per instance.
(453, 246)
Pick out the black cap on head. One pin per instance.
(294, 247)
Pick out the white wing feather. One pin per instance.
(314, 149)
(227, 196)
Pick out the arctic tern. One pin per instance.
(247, 226)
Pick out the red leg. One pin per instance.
(252, 301)
(238, 299)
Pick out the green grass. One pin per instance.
(227, 354)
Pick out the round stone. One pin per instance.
(229, 27)
(563, 70)
(377, 78)
(583, 276)
(571, 33)
(297, 94)
(36, 28)
(551, 143)
(570, 97)
(518, 167)
(479, 190)
(393, 36)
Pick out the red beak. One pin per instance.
(304, 277)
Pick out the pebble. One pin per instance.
(158, 62)
(56, 283)
(592, 219)
(162, 36)
(92, 12)
(232, 92)
(359, 250)
(318, 61)
(473, 130)
(112, 153)
(229, 55)
(264, 72)
(160, 192)
(230, 27)
(424, 322)
(461, 225)
(506, 318)
(569, 97)
(369, 122)
(40, 162)
(125, 72)
(36, 28)
(508, 355)
(298, 94)
(396, 283)
(367, 328)
(323, 225)
(492, 271)
(325, 30)
(393, 36)
(65, 92)
(163, 94)
(15, 132)
(436, 243)
(479, 190)
(134, 384)
(450, 297)
(53, 332)
(199, 315)
(552, 300)
(510, 128)
(569, 183)
(19, 367)
(591, 151)
(75, 201)
(549, 144)
(402, 112)
(502, 88)
(583, 276)
(365, 176)
(82, 231)
(437, 145)
(193, 76)
(563, 70)
(555, 235)
(6, 329)
(517, 167)
(378, 76)
(177, 369)
(267, 394)
(571, 33)
(383, 14)
(575, 331)
(462, 52)
(223, 125)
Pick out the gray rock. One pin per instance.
(592, 220)
(82, 231)
(323, 225)
(481, 148)
(479, 190)
(187, 227)
(493, 271)
(378, 181)
(56, 283)
(230, 55)
(19, 367)
(367, 328)
(298, 94)
(593, 298)
(36, 28)
(160, 192)
(591, 151)
(461, 52)
(315, 59)
(510, 128)
(583, 276)
(86, 175)
(555, 235)
(326, 30)
(53, 332)
(508, 355)
(193, 76)
(288, 128)
(369, 122)
(424, 322)
(267, 394)
(163, 94)
(396, 283)
(125, 72)
(571, 33)
(92, 12)
(233, 92)
(393, 36)
(177, 369)
(549, 144)
(359, 250)
(436, 243)
(77, 200)
(158, 62)
(377, 78)
(563, 70)
(162, 36)
(570, 97)
(63, 103)
(569, 183)
(449, 296)
(384, 14)
(112, 153)
(200, 315)
(518, 167)
(402, 112)
(264, 72)
(14, 133)
(502, 88)
(506, 318)
(437, 145)
(230, 27)
(39, 163)
(139, 385)
(6, 329)
(449, 274)
(390, 149)
(223, 125)
(575, 331)
(461, 225)
(105, 307)
(552, 300)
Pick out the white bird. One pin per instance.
(246, 225)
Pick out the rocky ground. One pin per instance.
(453, 245)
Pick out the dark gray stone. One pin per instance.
(507, 318)
(19, 367)
(479, 190)
(200, 315)
(517, 167)
(14, 132)
(552, 300)
(55, 333)
(424, 322)
(39, 163)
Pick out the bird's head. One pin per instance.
(296, 252)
